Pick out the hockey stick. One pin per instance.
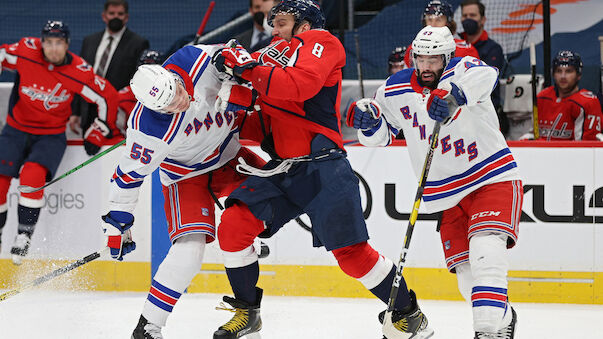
(29, 189)
(413, 217)
(53, 274)
(205, 19)
(534, 99)
(358, 63)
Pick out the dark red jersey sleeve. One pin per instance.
(592, 114)
(318, 54)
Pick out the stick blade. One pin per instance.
(28, 189)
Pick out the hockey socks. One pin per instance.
(384, 288)
(243, 281)
(173, 276)
(28, 217)
(3, 214)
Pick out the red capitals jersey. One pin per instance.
(463, 49)
(576, 117)
(127, 100)
(43, 92)
(302, 98)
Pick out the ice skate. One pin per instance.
(146, 330)
(20, 247)
(507, 332)
(245, 323)
(410, 325)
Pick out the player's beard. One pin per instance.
(430, 83)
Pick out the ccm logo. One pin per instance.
(485, 214)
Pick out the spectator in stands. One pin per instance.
(395, 61)
(113, 53)
(260, 34)
(566, 112)
(33, 140)
(473, 13)
(438, 13)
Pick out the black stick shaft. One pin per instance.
(51, 275)
(413, 217)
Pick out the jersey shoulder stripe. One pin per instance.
(185, 58)
(449, 70)
(399, 83)
(159, 125)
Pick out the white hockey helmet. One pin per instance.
(434, 41)
(154, 86)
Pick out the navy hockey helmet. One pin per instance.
(56, 28)
(302, 10)
(396, 56)
(437, 8)
(568, 58)
(149, 57)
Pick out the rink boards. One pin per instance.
(559, 256)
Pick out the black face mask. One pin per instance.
(258, 18)
(115, 24)
(470, 26)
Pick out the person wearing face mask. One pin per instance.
(260, 34)
(438, 13)
(473, 14)
(112, 52)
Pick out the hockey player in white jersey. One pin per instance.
(176, 128)
(473, 179)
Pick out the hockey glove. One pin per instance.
(449, 95)
(234, 61)
(116, 227)
(96, 135)
(364, 114)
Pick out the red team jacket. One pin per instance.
(302, 99)
(41, 98)
(463, 49)
(577, 117)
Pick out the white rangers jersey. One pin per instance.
(181, 145)
(471, 151)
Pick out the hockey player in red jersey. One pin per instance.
(33, 139)
(309, 172)
(566, 112)
(438, 13)
(473, 179)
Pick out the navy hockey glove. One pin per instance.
(96, 135)
(116, 227)
(364, 114)
(444, 101)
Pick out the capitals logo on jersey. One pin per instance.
(48, 97)
(278, 53)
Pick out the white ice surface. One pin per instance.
(77, 315)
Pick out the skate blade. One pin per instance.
(255, 335)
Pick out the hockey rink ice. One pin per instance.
(78, 315)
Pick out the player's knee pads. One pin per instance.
(182, 262)
(34, 175)
(464, 279)
(488, 257)
(238, 228)
(4, 186)
(362, 262)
